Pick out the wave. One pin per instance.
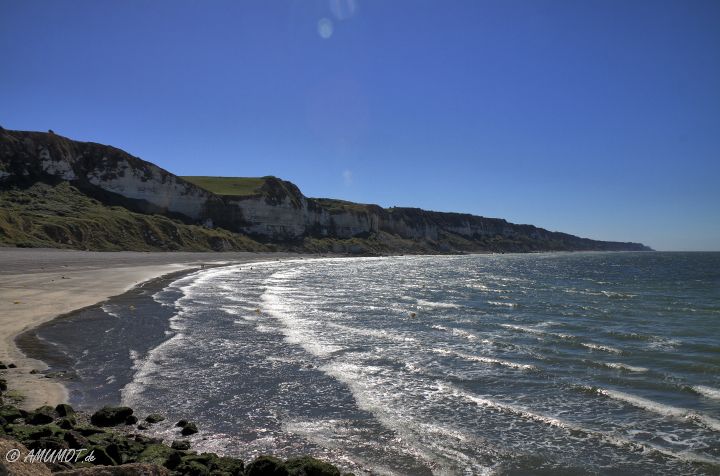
(621, 366)
(504, 407)
(505, 304)
(379, 334)
(706, 391)
(553, 421)
(437, 304)
(604, 348)
(663, 343)
(662, 409)
(106, 309)
(528, 330)
(616, 295)
(485, 360)
(464, 333)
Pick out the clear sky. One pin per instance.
(597, 118)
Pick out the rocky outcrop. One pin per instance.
(83, 449)
(101, 170)
(278, 212)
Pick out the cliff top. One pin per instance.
(234, 186)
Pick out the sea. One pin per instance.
(507, 364)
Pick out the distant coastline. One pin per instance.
(57, 192)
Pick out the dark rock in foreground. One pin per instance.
(116, 453)
(154, 418)
(111, 416)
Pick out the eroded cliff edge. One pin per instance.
(274, 215)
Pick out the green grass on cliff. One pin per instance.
(338, 206)
(235, 186)
(61, 216)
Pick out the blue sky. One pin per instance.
(598, 118)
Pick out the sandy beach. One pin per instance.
(37, 285)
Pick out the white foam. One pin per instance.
(663, 343)
(464, 333)
(485, 360)
(297, 330)
(377, 392)
(501, 303)
(371, 333)
(662, 409)
(610, 438)
(136, 359)
(436, 304)
(106, 309)
(621, 366)
(615, 295)
(603, 348)
(506, 407)
(708, 392)
(528, 330)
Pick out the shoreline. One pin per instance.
(40, 285)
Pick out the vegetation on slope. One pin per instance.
(233, 186)
(60, 215)
(334, 205)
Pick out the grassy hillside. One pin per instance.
(61, 216)
(235, 186)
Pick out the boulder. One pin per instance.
(64, 410)
(192, 468)
(10, 413)
(227, 466)
(67, 423)
(41, 416)
(154, 418)
(76, 440)
(87, 430)
(146, 440)
(131, 420)
(155, 454)
(266, 466)
(189, 429)
(27, 433)
(307, 466)
(181, 445)
(48, 443)
(111, 416)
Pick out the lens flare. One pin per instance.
(343, 9)
(325, 28)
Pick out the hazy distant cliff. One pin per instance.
(266, 209)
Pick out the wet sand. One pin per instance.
(37, 285)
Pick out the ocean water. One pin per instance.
(587, 363)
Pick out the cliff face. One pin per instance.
(95, 168)
(276, 212)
